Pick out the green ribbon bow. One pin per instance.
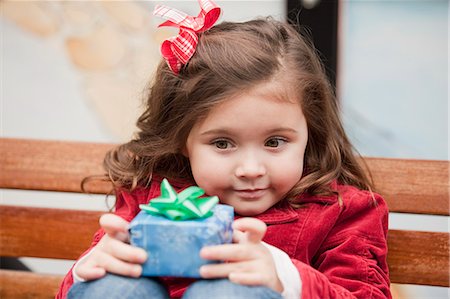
(181, 206)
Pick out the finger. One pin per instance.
(247, 278)
(229, 252)
(254, 228)
(115, 226)
(124, 251)
(114, 265)
(239, 237)
(90, 272)
(221, 270)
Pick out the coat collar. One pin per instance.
(321, 199)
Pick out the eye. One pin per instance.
(275, 142)
(222, 144)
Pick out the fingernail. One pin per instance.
(232, 277)
(143, 255)
(205, 252)
(203, 272)
(137, 270)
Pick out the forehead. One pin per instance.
(264, 107)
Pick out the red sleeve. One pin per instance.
(351, 263)
(127, 206)
(68, 279)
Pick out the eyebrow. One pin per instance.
(225, 131)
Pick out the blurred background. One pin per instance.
(77, 70)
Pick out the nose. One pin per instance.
(250, 166)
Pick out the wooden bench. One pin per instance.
(409, 186)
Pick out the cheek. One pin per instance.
(288, 173)
(207, 173)
(211, 183)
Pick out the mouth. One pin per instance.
(251, 193)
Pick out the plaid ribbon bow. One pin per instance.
(179, 49)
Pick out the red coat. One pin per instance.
(339, 249)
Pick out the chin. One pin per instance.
(250, 212)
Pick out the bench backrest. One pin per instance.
(409, 186)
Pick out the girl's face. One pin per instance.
(249, 150)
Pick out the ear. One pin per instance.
(184, 152)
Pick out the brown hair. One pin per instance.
(230, 58)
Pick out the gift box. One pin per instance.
(174, 227)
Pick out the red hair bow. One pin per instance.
(179, 49)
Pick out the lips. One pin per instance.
(251, 193)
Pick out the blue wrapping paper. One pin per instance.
(173, 247)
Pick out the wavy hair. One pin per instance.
(232, 57)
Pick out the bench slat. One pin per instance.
(414, 257)
(47, 233)
(51, 165)
(408, 184)
(22, 284)
(60, 166)
(418, 257)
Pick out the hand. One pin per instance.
(248, 261)
(112, 253)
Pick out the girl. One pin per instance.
(249, 117)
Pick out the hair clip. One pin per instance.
(177, 50)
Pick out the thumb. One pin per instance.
(249, 230)
(115, 227)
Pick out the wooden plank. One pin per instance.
(51, 165)
(412, 186)
(21, 284)
(419, 257)
(48, 233)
